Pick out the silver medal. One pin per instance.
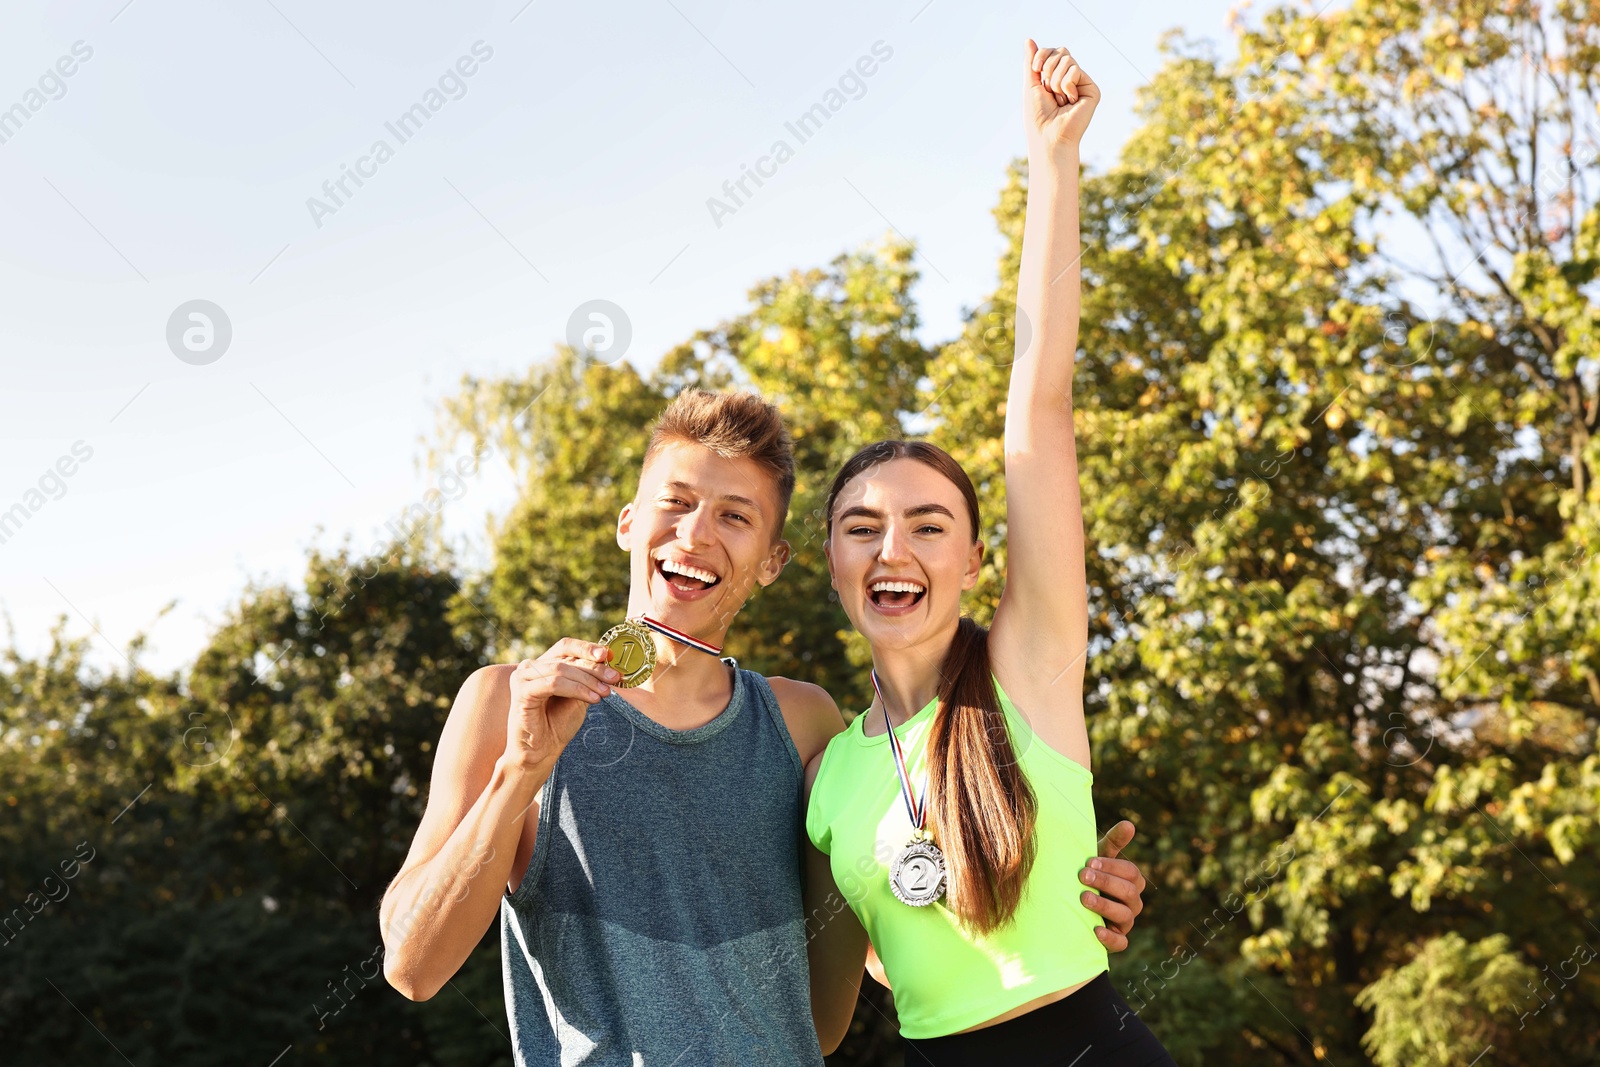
(917, 874)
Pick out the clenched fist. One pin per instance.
(550, 696)
(1058, 98)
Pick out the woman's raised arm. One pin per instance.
(1043, 620)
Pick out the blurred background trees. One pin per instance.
(1337, 412)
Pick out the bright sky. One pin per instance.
(156, 153)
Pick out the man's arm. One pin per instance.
(505, 731)
(836, 944)
(431, 918)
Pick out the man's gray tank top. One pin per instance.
(659, 922)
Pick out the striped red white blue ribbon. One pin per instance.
(916, 809)
(678, 635)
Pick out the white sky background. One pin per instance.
(178, 163)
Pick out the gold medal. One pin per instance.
(633, 652)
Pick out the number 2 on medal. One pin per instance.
(917, 877)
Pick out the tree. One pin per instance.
(241, 825)
(1314, 507)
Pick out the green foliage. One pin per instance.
(1447, 1005)
(242, 829)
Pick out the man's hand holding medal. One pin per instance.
(550, 696)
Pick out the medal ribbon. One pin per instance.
(678, 635)
(916, 809)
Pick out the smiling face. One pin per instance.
(703, 532)
(901, 550)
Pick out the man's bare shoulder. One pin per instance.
(475, 729)
(489, 679)
(486, 690)
(809, 712)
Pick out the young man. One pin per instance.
(641, 846)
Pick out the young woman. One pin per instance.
(955, 813)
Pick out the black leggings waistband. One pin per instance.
(1094, 1027)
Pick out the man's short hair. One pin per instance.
(734, 425)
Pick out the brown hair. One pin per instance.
(979, 798)
(736, 425)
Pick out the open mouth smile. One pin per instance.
(896, 596)
(686, 578)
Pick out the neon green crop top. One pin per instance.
(944, 978)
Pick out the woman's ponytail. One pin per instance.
(981, 804)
